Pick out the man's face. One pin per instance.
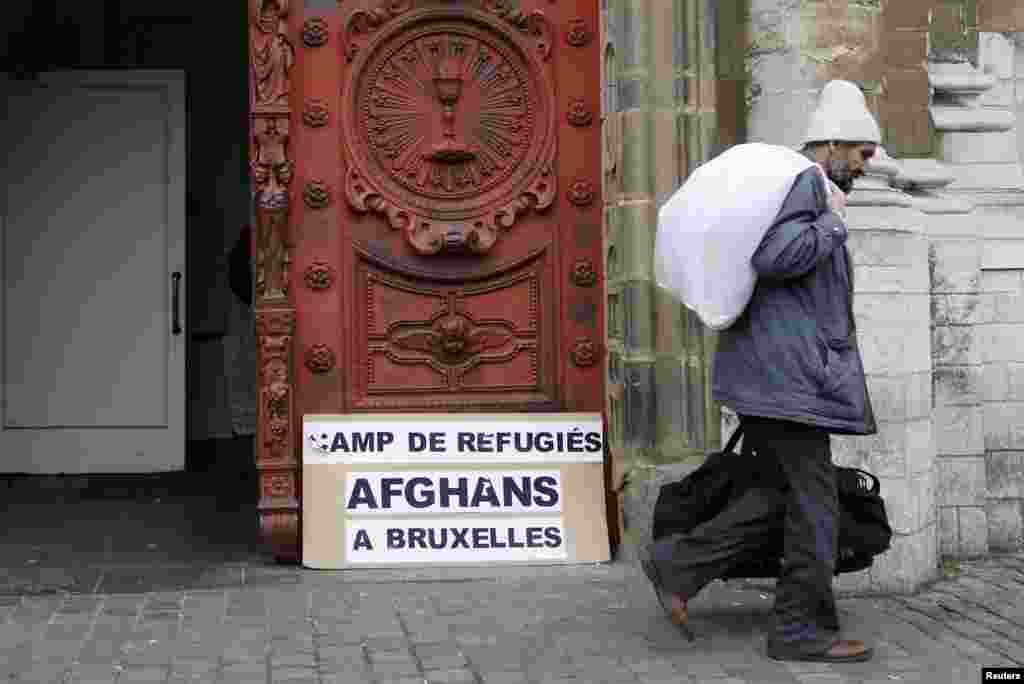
(846, 162)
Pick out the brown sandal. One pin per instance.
(674, 605)
(841, 651)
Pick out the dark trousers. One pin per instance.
(802, 519)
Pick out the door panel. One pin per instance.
(93, 228)
(427, 203)
(459, 207)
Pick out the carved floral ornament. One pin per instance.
(315, 113)
(579, 33)
(452, 118)
(583, 273)
(320, 358)
(584, 353)
(453, 339)
(314, 32)
(316, 194)
(579, 113)
(319, 276)
(581, 192)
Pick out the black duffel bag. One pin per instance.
(864, 530)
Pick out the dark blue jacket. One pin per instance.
(793, 353)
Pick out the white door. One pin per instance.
(92, 233)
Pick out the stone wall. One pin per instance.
(977, 260)
(660, 117)
(937, 239)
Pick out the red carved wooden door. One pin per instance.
(442, 248)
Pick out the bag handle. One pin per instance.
(734, 439)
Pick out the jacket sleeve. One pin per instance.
(803, 234)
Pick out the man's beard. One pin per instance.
(838, 171)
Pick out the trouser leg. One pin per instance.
(804, 602)
(746, 528)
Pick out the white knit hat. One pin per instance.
(842, 115)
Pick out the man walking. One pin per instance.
(790, 367)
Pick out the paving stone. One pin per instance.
(504, 678)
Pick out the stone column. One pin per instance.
(891, 305)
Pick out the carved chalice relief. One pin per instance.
(450, 134)
(448, 85)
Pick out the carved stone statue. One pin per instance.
(272, 174)
(272, 54)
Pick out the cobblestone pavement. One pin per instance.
(98, 592)
(251, 622)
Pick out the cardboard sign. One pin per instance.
(394, 490)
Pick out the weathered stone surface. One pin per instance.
(954, 266)
(921, 449)
(973, 531)
(890, 349)
(962, 481)
(1004, 425)
(919, 395)
(1001, 342)
(638, 223)
(959, 430)
(995, 382)
(958, 385)
(972, 147)
(1005, 471)
(955, 309)
(889, 279)
(1005, 525)
(911, 561)
(908, 503)
(949, 530)
(887, 247)
(1002, 281)
(956, 346)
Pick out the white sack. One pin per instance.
(710, 228)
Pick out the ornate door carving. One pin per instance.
(449, 236)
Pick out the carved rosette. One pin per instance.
(454, 339)
(320, 359)
(451, 136)
(579, 113)
(315, 113)
(583, 273)
(579, 33)
(581, 193)
(314, 32)
(319, 276)
(584, 353)
(316, 194)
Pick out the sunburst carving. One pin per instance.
(451, 133)
(448, 116)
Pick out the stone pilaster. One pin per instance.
(978, 327)
(891, 303)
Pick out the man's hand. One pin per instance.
(837, 201)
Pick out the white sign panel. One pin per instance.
(514, 438)
(433, 492)
(401, 489)
(459, 540)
